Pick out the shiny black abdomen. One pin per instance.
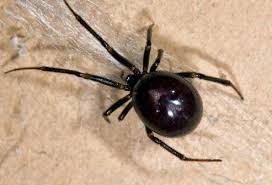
(167, 103)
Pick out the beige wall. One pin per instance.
(51, 129)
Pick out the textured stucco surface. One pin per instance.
(51, 129)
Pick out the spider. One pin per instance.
(166, 102)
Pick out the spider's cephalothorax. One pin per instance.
(132, 79)
(166, 102)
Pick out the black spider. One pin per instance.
(166, 102)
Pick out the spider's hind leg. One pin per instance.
(173, 151)
(211, 79)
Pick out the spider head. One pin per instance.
(132, 79)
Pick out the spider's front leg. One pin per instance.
(147, 49)
(147, 53)
(115, 106)
(121, 59)
(155, 65)
(125, 111)
(87, 76)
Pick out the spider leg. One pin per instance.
(173, 151)
(212, 79)
(87, 76)
(110, 50)
(147, 49)
(157, 61)
(115, 106)
(125, 111)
